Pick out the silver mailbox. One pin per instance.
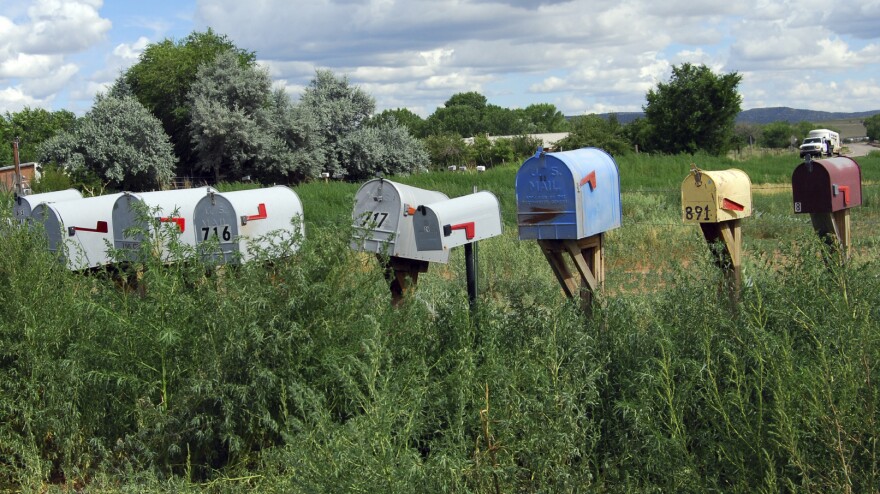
(23, 206)
(244, 219)
(382, 220)
(136, 213)
(463, 220)
(81, 228)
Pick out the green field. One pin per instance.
(298, 375)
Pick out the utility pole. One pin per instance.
(19, 190)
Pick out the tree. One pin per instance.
(777, 135)
(872, 126)
(33, 126)
(239, 126)
(595, 131)
(347, 149)
(162, 77)
(119, 141)
(545, 118)
(695, 110)
(403, 116)
(446, 150)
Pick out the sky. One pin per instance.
(584, 56)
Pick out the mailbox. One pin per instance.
(23, 206)
(382, 220)
(236, 219)
(133, 211)
(568, 195)
(463, 220)
(82, 226)
(826, 186)
(716, 196)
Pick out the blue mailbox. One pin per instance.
(568, 195)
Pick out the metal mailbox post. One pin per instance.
(567, 201)
(717, 201)
(244, 221)
(827, 189)
(23, 206)
(136, 210)
(461, 221)
(382, 225)
(80, 228)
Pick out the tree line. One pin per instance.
(202, 107)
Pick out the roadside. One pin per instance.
(860, 149)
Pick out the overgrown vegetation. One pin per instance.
(298, 376)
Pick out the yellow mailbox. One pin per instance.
(716, 196)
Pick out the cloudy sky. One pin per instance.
(584, 56)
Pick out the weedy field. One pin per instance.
(298, 375)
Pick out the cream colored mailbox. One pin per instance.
(80, 228)
(716, 196)
(382, 220)
(137, 213)
(463, 220)
(718, 201)
(244, 221)
(23, 206)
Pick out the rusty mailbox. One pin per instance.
(826, 186)
(826, 189)
(80, 229)
(245, 221)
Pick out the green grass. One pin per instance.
(298, 376)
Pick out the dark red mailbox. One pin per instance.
(826, 186)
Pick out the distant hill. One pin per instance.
(768, 115)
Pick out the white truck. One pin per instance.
(820, 142)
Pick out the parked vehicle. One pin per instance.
(820, 142)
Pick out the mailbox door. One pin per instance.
(215, 219)
(459, 221)
(52, 224)
(546, 202)
(129, 218)
(719, 195)
(382, 223)
(568, 195)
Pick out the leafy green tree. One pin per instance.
(595, 131)
(32, 126)
(639, 134)
(162, 77)
(403, 116)
(545, 118)
(239, 126)
(872, 125)
(470, 99)
(777, 135)
(446, 150)
(500, 121)
(118, 141)
(339, 111)
(695, 110)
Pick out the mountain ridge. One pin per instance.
(767, 115)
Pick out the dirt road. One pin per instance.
(860, 149)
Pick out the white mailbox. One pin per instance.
(382, 220)
(23, 206)
(81, 227)
(447, 224)
(244, 219)
(143, 210)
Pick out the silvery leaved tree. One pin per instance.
(119, 142)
